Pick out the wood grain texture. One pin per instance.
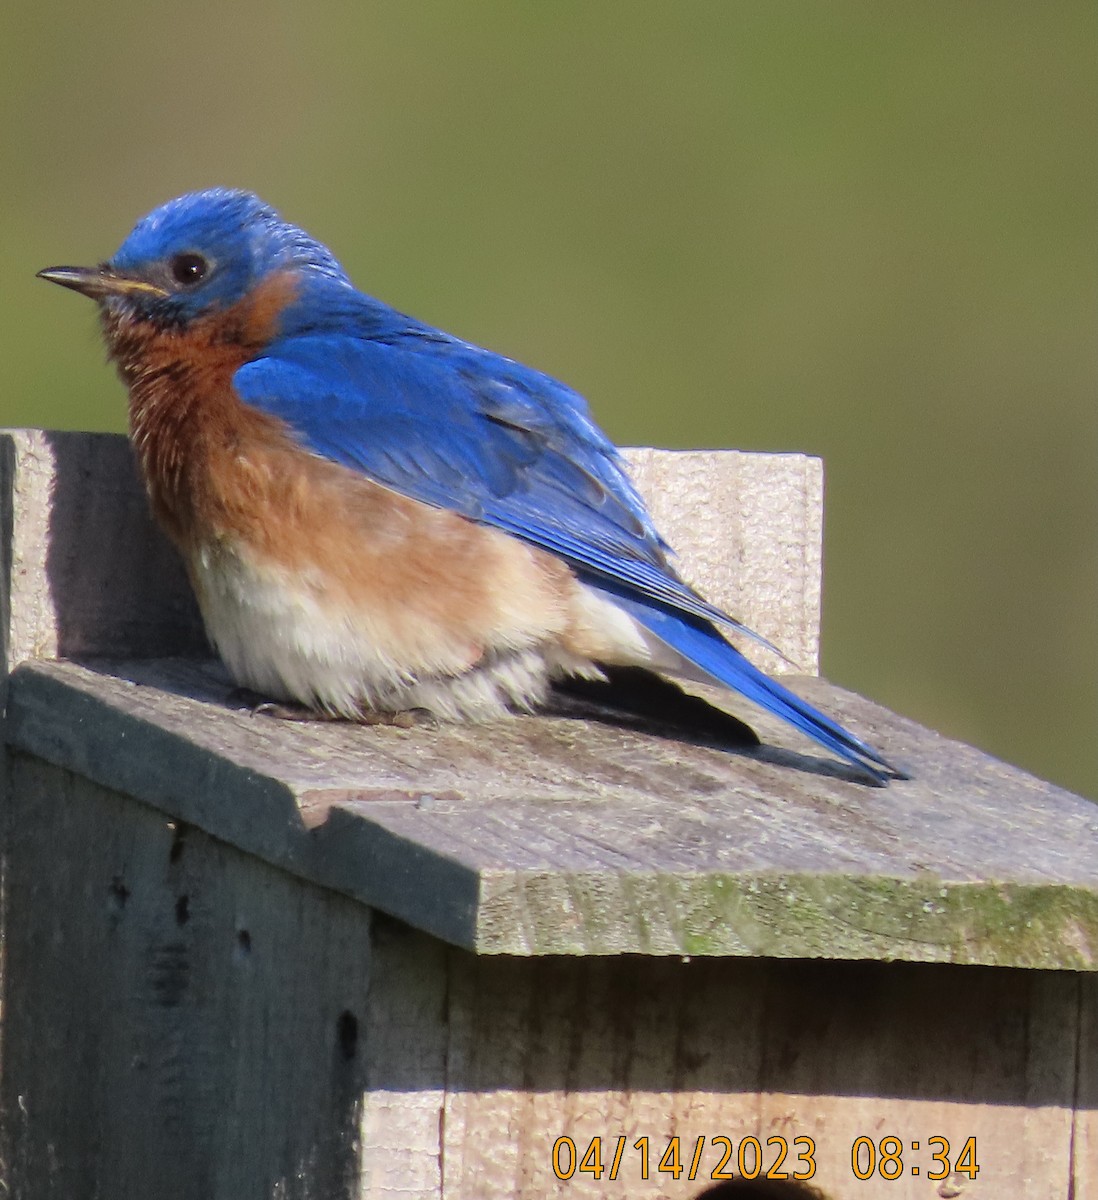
(409, 1065)
(748, 530)
(555, 834)
(86, 572)
(150, 1050)
(661, 1049)
(181, 1020)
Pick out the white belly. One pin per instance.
(282, 636)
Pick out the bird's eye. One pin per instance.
(188, 269)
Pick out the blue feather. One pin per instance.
(699, 642)
(459, 427)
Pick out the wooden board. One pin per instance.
(834, 1052)
(85, 571)
(181, 1020)
(555, 834)
(152, 1049)
(748, 532)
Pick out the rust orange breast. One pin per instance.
(187, 424)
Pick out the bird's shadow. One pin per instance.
(642, 702)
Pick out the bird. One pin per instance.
(377, 517)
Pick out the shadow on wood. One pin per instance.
(129, 598)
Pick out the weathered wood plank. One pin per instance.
(85, 571)
(657, 1049)
(181, 1020)
(551, 834)
(748, 532)
(409, 1065)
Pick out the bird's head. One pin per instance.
(195, 255)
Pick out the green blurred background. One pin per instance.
(858, 229)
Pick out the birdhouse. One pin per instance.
(572, 954)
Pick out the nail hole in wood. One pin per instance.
(347, 1034)
(119, 893)
(179, 836)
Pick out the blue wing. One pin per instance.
(461, 428)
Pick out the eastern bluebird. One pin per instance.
(377, 516)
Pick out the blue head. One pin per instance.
(196, 254)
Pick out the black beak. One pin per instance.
(100, 282)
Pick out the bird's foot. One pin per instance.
(282, 710)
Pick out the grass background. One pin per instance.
(861, 230)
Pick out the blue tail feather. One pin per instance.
(700, 642)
